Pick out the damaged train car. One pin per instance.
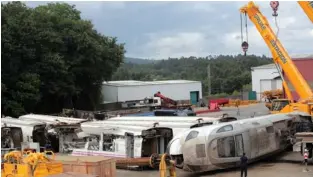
(61, 132)
(11, 137)
(136, 137)
(220, 146)
(17, 131)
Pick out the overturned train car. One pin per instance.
(220, 146)
(136, 137)
(15, 131)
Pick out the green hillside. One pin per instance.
(228, 73)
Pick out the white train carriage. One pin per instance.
(148, 135)
(57, 127)
(123, 141)
(11, 137)
(220, 146)
(32, 131)
(51, 119)
(195, 119)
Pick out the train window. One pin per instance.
(239, 145)
(225, 128)
(226, 147)
(192, 135)
(93, 146)
(270, 129)
(289, 123)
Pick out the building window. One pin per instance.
(226, 147)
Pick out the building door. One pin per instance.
(265, 84)
(194, 97)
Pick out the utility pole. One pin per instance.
(209, 80)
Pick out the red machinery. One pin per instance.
(219, 101)
(165, 99)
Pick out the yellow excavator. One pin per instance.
(282, 59)
(307, 7)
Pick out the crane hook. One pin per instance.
(274, 5)
(245, 47)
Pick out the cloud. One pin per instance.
(173, 29)
(293, 31)
(202, 6)
(178, 45)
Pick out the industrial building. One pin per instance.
(131, 90)
(266, 77)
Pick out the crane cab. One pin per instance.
(286, 106)
(278, 105)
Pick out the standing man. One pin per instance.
(243, 164)
(306, 156)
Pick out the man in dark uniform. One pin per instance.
(243, 164)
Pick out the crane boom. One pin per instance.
(307, 7)
(280, 56)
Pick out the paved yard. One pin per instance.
(243, 112)
(261, 169)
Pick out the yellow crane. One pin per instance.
(282, 59)
(307, 7)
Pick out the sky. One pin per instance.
(159, 30)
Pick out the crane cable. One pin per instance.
(277, 31)
(244, 44)
(274, 5)
(246, 26)
(241, 27)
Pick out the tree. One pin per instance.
(228, 73)
(53, 59)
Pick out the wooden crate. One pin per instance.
(92, 165)
(72, 174)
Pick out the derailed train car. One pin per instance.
(136, 136)
(57, 127)
(17, 131)
(220, 146)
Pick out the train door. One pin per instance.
(129, 138)
(254, 150)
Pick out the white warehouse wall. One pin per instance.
(179, 91)
(264, 75)
(109, 93)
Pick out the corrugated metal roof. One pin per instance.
(305, 68)
(137, 83)
(264, 66)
